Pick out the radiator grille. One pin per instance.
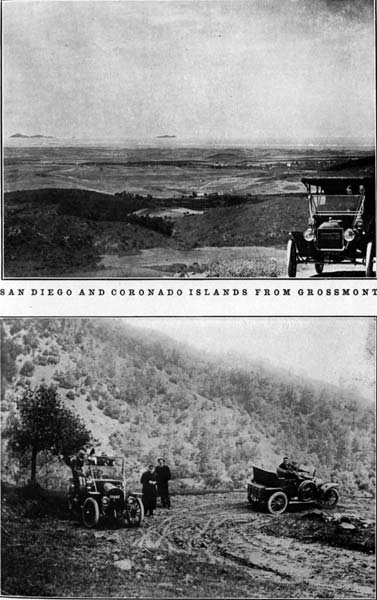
(330, 239)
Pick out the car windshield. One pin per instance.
(325, 203)
(104, 467)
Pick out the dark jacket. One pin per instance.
(148, 480)
(288, 471)
(163, 474)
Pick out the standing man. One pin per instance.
(163, 477)
(148, 480)
(77, 464)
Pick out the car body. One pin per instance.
(341, 224)
(102, 492)
(271, 489)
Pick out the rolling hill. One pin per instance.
(143, 395)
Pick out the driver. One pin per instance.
(288, 469)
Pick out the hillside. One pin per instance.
(143, 395)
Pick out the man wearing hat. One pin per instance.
(163, 476)
(76, 463)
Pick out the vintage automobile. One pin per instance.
(102, 493)
(270, 489)
(341, 224)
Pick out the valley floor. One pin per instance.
(205, 546)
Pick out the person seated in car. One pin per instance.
(288, 469)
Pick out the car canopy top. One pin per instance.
(337, 184)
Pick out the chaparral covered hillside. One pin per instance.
(143, 395)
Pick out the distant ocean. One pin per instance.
(189, 142)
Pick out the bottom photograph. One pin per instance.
(188, 457)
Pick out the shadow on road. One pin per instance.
(340, 274)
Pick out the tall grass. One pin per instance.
(258, 267)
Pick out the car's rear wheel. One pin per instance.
(134, 511)
(369, 260)
(277, 503)
(319, 268)
(291, 259)
(329, 499)
(90, 513)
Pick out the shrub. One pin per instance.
(246, 268)
(41, 360)
(52, 360)
(27, 368)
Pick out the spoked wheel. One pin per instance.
(90, 513)
(307, 491)
(291, 259)
(134, 511)
(277, 503)
(329, 499)
(369, 260)
(319, 268)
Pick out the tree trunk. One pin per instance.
(34, 453)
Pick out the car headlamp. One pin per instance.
(309, 234)
(105, 500)
(349, 235)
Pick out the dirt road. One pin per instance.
(213, 545)
(255, 261)
(260, 551)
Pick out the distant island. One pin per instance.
(166, 136)
(38, 135)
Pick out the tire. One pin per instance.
(307, 491)
(90, 513)
(291, 259)
(134, 511)
(319, 268)
(277, 503)
(329, 499)
(369, 260)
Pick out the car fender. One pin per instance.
(303, 247)
(327, 486)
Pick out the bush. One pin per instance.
(70, 395)
(246, 268)
(53, 360)
(27, 369)
(40, 360)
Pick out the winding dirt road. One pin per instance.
(294, 552)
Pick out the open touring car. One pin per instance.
(341, 224)
(100, 491)
(270, 489)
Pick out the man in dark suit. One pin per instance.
(163, 477)
(288, 469)
(148, 480)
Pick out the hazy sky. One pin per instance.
(197, 69)
(331, 350)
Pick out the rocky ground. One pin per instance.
(205, 546)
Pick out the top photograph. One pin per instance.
(188, 139)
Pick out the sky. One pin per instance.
(201, 69)
(330, 350)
